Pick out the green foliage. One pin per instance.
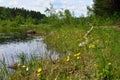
(19, 20)
(29, 21)
(65, 17)
(105, 7)
(19, 15)
(4, 72)
(62, 17)
(22, 58)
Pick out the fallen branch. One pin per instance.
(88, 32)
(86, 39)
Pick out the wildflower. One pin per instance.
(75, 55)
(91, 46)
(82, 44)
(78, 54)
(39, 70)
(95, 65)
(109, 63)
(27, 69)
(78, 57)
(68, 58)
(23, 66)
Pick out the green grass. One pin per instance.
(11, 31)
(100, 62)
(106, 50)
(97, 60)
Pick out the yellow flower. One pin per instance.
(78, 54)
(109, 63)
(75, 55)
(39, 70)
(78, 57)
(95, 65)
(68, 58)
(91, 46)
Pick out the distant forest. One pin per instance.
(13, 13)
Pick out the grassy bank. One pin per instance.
(100, 56)
(97, 59)
(94, 57)
(11, 31)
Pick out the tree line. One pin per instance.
(13, 13)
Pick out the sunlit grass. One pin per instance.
(98, 59)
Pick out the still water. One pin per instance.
(32, 48)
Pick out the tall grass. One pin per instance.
(4, 72)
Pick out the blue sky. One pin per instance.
(78, 6)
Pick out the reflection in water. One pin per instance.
(34, 47)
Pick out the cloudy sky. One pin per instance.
(78, 6)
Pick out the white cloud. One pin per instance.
(1, 1)
(13, 2)
(39, 5)
(78, 6)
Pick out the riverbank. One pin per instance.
(10, 31)
(97, 59)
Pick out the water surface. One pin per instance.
(35, 47)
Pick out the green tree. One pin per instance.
(106, 7)
(19, 20)
(68, 16)
(19, 14)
